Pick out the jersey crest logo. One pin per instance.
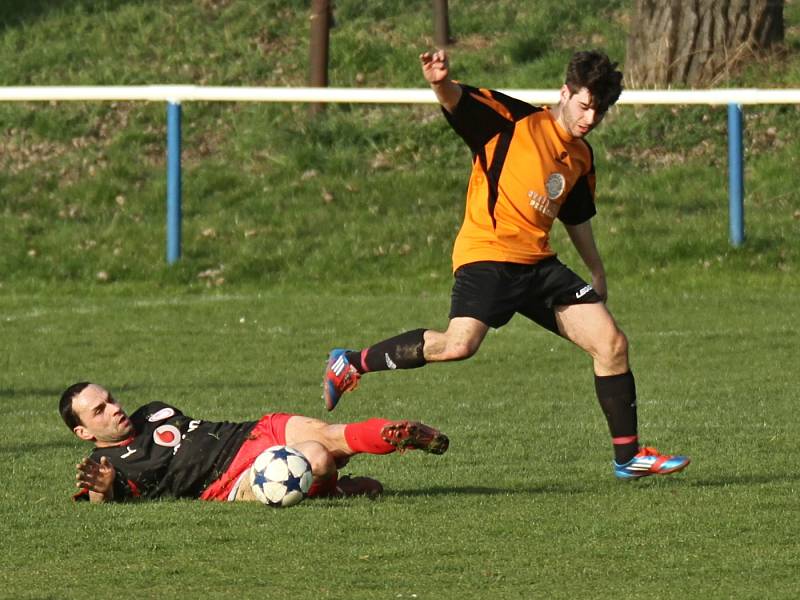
(168, 436)
(164, 413)
(555, 185)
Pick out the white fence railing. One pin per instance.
(193, 93)
(174, 95)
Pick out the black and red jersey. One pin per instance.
(526, 172)
(171, 454)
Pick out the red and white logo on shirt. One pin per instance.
(168, 436)
(164, 413)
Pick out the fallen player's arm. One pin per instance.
(97, 478)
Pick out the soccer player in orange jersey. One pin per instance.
(530, 166)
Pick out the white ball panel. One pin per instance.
(292, 498)
(297, 465)
(262, 460)
(277, 470)
(274, 491)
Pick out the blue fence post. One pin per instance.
(173, 181)
(735, 174)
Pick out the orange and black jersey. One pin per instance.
(526, 171)
(170, 454)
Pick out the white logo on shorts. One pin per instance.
(583, 291)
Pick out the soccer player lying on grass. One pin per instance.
(158, 451)
(530, 166)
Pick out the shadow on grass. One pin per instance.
(27, 392)
(55, 393)
(14, 13)
(568, 489)
(489, 491)
(748, 479)
(32, 447)
(200, 385)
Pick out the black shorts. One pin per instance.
(493, 291)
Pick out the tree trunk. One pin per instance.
(697, 42)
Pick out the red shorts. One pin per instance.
(269, 431)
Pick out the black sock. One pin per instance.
(617, 396)
(403, 351)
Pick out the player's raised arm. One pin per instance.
(436, 70)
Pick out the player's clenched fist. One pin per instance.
(435, 67)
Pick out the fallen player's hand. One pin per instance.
(96, 477)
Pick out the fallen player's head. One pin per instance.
(92, 414)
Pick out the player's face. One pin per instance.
(103, 420)
(578, 113)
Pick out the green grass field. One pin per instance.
(300, 235)
(523, 505)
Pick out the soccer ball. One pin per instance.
(280, 476)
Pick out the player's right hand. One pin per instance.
(435, 67)
(96, 477)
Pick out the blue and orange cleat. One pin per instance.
(648, 461)
(340, 377)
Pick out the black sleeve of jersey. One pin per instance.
(124, 489)
(579, 205)
(482, 114)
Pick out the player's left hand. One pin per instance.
(96, 477)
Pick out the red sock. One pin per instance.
(323, 488)
(365, 436)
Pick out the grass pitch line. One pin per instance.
(85, 309)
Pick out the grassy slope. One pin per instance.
(82, 186)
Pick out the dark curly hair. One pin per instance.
(594, 71)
